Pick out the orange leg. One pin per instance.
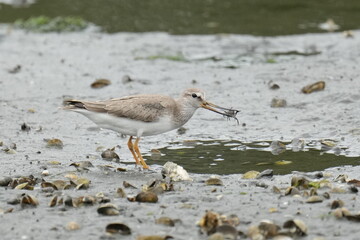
(137, 150)
(131, 148)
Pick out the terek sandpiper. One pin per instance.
(145, 115)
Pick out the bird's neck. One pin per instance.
(183, 112)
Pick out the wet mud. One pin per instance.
(39, 71)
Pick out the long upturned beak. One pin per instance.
(227, 112)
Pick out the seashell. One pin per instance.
(5, 181)
(110, 154)
(254, 233)
(28, 200)
(300, 182)
(266, 173)
(318, 86)
(60, 184)
(69, 186)
(154, 237)
(100, 83)
(71, 176)
(53, 201)
(232, 220)
(158, 187)
(9, 151)
(268, 229)
(54, 143)
(250, 175)
(326, 195)
(108, 210)
(149, 197)
(89, 200)
(128, 185)
(165, 221)
(82, 183)
(342, 178)
(68, 201)
(209, 222)
(273, 86)
(313, 192)
(353, 217)
(296, 226)
(276, 190)
(48, 185)
(82, 164)
(214, 181)
(25, 186)
(120, 193)
(118, 228)
(354, 182)
(327, 144)
(314, 199)
(229, 232)
(337, 213)
(217, 236)
(292, 191)
(60, 201)
(337, 204)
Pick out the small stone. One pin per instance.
(175, 172)
(181, 130)
(25, 127)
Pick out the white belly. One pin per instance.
(128, 126)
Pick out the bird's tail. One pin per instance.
(73, 104)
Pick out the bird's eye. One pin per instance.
(194, 95)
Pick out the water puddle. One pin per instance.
(229, 157)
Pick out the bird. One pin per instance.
(144, 115)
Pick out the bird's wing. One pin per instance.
(147, 108)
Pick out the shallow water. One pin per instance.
(260, 17)
(223, 157)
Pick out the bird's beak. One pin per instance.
(228, 112)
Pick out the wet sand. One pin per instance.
(235, 71)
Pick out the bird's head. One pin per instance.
(196, 98)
